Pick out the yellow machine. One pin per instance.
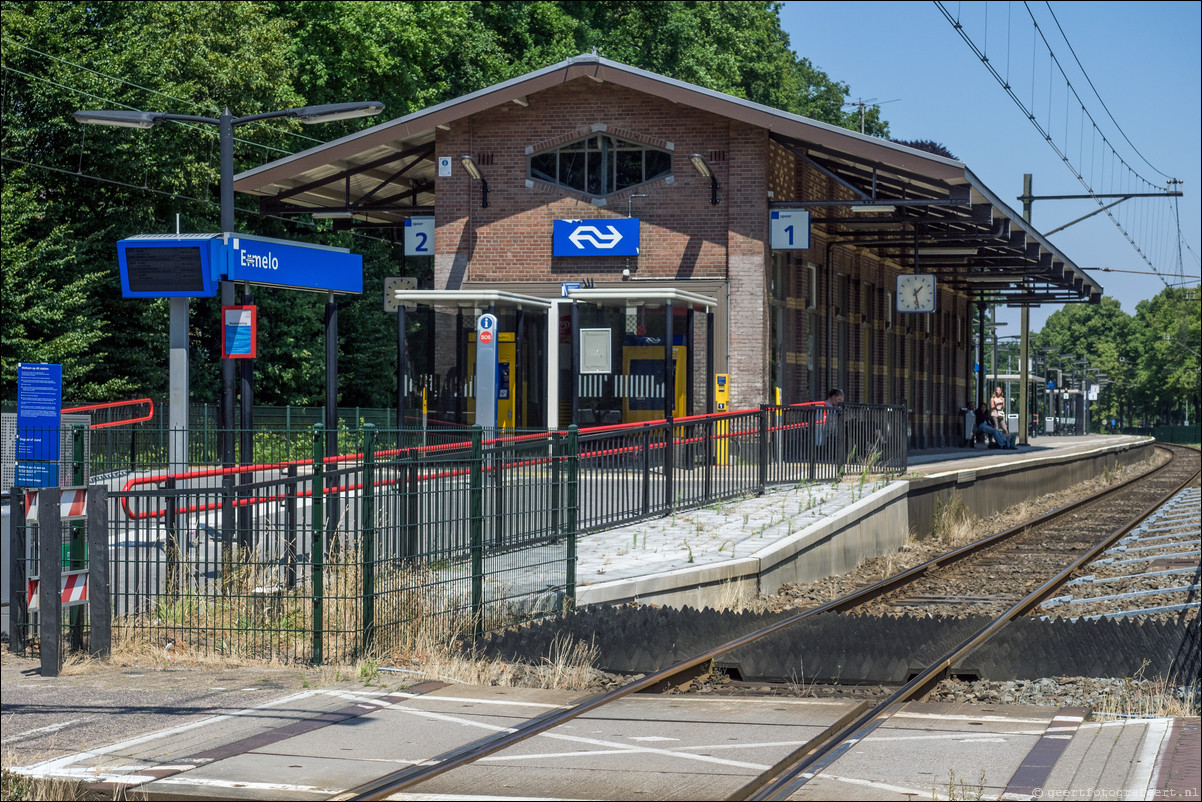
(644, 369)
(507, 416)
(721, 404)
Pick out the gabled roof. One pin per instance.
(386, 173)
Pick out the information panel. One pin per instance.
(239, 332)
(39, 414)
(486, 371)
(172, 267)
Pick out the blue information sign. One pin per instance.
(299, 266)
(191, 265)
(39, 415)
(612, 237)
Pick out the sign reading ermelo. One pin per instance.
(39, 415)
(192, 265)
(276, 263)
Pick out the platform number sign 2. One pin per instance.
(789, 229)
(419, 236)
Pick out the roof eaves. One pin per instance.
(423, 123)
(1017, 219)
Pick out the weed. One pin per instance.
(961, 790)
(952, 523)
(1138, 696)
(689, 549)
(19, 788)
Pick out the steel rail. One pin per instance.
(408, 777)
(779, 782)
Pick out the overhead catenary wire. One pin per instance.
(1097, 94)
(1122, 219)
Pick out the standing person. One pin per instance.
(997, 409)
(829, 426)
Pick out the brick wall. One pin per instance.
(685, 237)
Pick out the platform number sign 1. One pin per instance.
(789, 229)
(419, 236)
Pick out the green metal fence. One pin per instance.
(332, 546)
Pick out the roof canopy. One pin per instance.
(922, 211)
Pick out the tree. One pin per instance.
(1101, 335)
(70, 191)
(928, 146)
(1168, 338)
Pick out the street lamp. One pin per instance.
(126, 118)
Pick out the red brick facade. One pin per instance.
(833, 323)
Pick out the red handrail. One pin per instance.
(87, 407)
(430, 449)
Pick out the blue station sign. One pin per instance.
(192, 265)
(294, 265)
(611, 237)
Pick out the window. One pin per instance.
(600, 165)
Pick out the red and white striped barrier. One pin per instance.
(72, 504)
(73, 589)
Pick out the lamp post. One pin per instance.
(124, 118)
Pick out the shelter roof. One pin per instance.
(924, 212)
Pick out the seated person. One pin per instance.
(984, 425)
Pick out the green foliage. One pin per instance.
(71, 191)
(1151, 359)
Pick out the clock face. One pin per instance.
(916, 292)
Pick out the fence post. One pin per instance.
(708, 472)
(290, 492)
(572, 516)
(412, 501)
(368, 545)
(18, 616)
(556, 495)
(77, 551)
(173, 558)
(764, 451)
(477, 528)
(496, 464)
(316, 548)
(669, 467)
(100, 602)
(50, 571)
(646, 470)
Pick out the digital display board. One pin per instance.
(167, 268)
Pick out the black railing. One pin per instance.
(311, 558)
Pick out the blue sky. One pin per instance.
(1143, 58)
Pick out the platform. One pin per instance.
(809, 531)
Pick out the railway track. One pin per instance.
(1048, 550)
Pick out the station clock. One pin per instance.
(916, 292)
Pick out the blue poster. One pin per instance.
(39, 413)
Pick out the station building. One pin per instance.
(787, 254)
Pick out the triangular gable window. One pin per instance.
(600, 165)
